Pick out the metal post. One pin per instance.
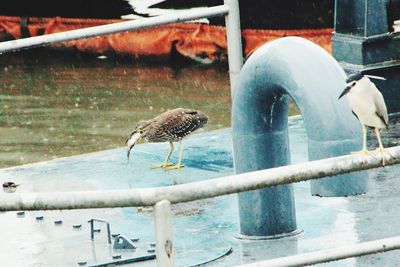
(91, 221)
(165, 250)
(91, 229)
(108, 233)
(234, 42)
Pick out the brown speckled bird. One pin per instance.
(170, 126)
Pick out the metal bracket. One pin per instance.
(92, 230)
(122, 242)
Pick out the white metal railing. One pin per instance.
(161, 198)
(333, 254)
(234, 42)
(196, 190)
(44, 40)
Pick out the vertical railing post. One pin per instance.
(234, 42)
(91, 229)
(165, 250)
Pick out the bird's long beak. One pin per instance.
(345, 91)
(130, 143)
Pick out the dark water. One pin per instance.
(54, 105)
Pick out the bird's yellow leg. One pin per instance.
(165, 164)
(364, 150)
(381, 149)
(179, 165)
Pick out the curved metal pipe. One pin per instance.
(295, 68)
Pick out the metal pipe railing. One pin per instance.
(332, 254)
(234, 42)
(48, 39)
(161, 197)
(196, 190)
(165, 249)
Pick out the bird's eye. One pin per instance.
(354, 83)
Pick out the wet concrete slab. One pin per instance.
(204, 230)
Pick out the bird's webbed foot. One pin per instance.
(177, 166)
(162, 165)
(383, 152)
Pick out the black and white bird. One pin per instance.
(368, 105)
(170, 126)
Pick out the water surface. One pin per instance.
(61, 104)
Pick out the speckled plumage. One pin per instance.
(170, 126)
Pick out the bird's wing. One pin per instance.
(186, 121)
(174, 125)
(380, 105)
(185, 124)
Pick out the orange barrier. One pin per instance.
(192, 40)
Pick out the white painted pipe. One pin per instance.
(165, 249)
(48, 39)
(196, 190)
(234, 42)
(333, 254)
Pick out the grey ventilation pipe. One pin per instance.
(287, 68)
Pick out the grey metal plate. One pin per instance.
(203, 229)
